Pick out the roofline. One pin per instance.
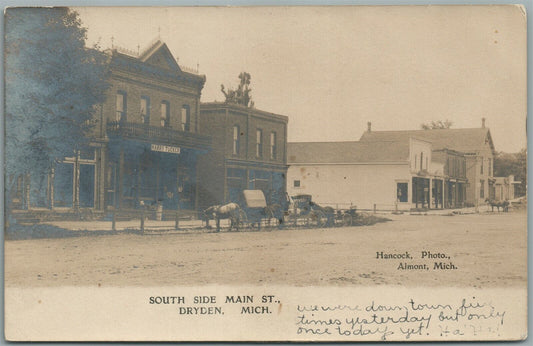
(420, 130)
(452, 151)
(227, 105)
(199, 78)
(362, 163)
(420, 140)
(353, 142)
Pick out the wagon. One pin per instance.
(345, 217)
(303, 209)
(255, 209)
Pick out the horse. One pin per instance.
(227, 211)
(498, 204)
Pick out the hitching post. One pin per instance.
(177, 225)
(114, 221)
(180, 189)
(295, 215)
(142, 217)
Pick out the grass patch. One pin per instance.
(363, 219)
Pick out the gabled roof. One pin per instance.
(463, 140)
(159, 55)
(156, 61)
(347, 152)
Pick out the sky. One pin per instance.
(332, 69)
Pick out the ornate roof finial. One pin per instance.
(112, 42)
(159, 32)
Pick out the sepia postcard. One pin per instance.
(267, 174)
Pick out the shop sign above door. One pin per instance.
(165, 149)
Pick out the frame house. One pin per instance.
(475, 143)
(383, 175)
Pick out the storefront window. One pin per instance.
(401, 192)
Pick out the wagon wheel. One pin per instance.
(346, 220)
(316, 218)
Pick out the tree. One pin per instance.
(435, 125)
(52, 82)
(242, 95)
(506, 164)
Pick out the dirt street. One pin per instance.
(487, 250)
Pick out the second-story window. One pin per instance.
(481, 169)
(273, 145)
(120, 114)
(185, 118)
(165, 114)
(490, 167)
(236, 143)
(145, 109)
(259, 143)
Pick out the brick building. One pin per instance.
(145, 143)
(248, 152)
(154, 144)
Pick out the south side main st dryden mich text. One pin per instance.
(211, 305)
(423, 256)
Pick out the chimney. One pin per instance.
(369, 125)
(483, 123)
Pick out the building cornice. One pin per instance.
(257, 113)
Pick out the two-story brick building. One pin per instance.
(248, 152)
(153, 143)
(145, 143)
